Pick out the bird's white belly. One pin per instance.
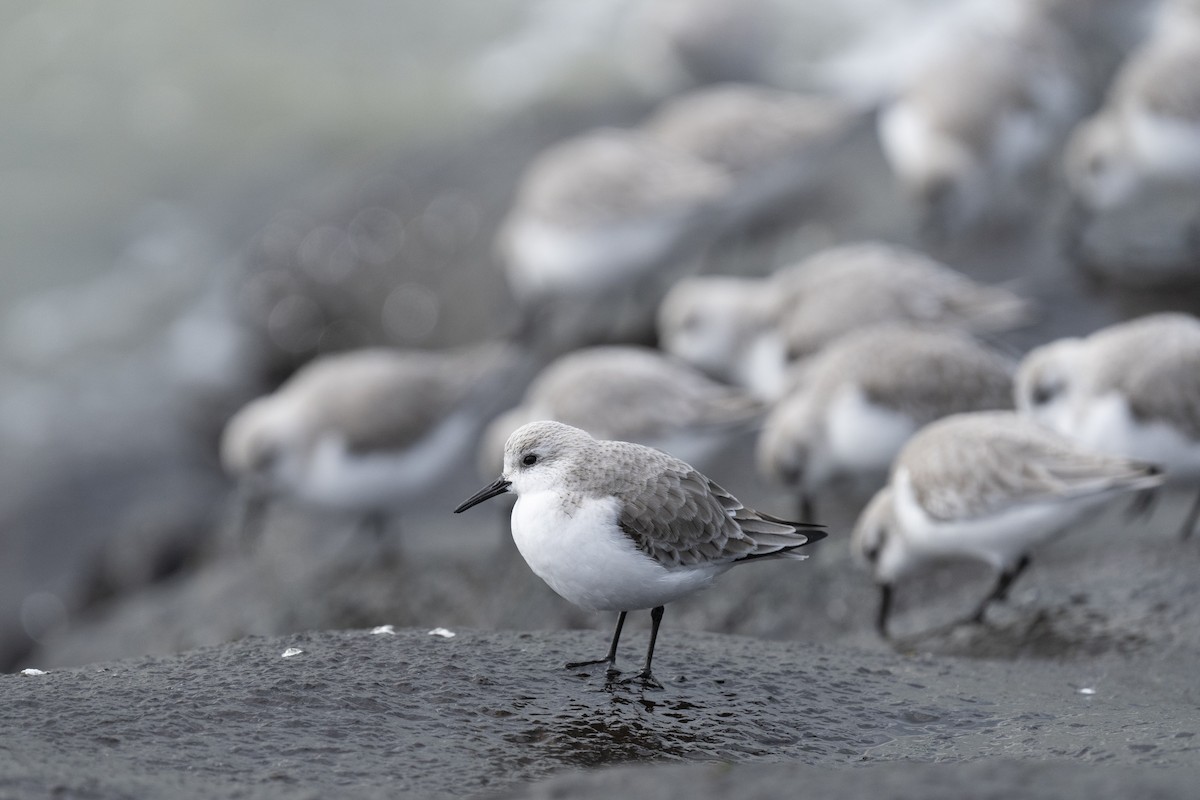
(997, 539)
(549, 260)
(338, 478)
(864, 437)
(1106, 424)
(587, 559)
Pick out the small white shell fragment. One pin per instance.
(292, 651)
(442, 632)
(381, 629)
(32, 671)
(1088, 690)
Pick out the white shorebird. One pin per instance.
(988, 486)
(630, 393)
(774, 144)
(838, 289)
(364, 432)
(1132, 389)
(974, 123)
(600, 224)
(617, 526)
(859, 400)
(1149, 127)
(1133, 168)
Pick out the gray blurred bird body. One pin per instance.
(860, 399)
(366, 431)
(988, 486)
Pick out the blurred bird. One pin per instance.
(633, 394)
(838, 289)
(969, 130)
(775, 144)
(1142, 146)
(860, 399)
(1131, 389)
(726, 326)
(988, 486)
(365, 432)
(600, 224)
(748, 331)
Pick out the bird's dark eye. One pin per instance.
(1043, 394)
(529, 460)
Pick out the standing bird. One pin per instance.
(600, 224)
(616, 526)
(988, 486)
(1131, 389)
(366, 432)
(861, 398)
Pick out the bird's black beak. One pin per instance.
(486, 493)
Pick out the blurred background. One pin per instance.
(199, 198)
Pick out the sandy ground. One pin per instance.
(356, 714)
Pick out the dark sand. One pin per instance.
(357, 714)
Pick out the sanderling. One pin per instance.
(1149, 127)
(838, 289)
(774, 144)
(365, 431)
(1131, 389)
(988, 486)
(860, 399)
(617, 526)
(976, 120)
(1133, 168)
(726, 326)
(600, 223)
(630, 393)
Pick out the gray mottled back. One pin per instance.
(635, 392)
(972, 465)
(381, 399)
(745, 127)
(923, 373)
(837, 290)
(1155, 362)
(614, 175)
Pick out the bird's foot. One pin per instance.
(610, 671)
(646, 679)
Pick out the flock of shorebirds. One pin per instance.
(866, 363)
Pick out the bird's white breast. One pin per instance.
(583, 556)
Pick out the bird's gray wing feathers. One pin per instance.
(990, 475)
(681, 518)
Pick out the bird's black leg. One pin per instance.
(249, 519)
(885, 609)
(1189, 524)
(1000, 593)
(646, 677)
(375, 525)
(807, 508)
(611, 658)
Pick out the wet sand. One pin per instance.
(357, 714)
